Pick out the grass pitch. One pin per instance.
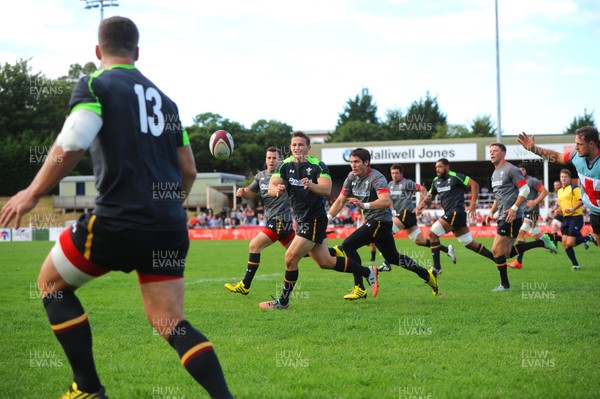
(540, 340)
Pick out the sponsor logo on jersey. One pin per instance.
(295, 182)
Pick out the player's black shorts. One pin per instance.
(280, 229)
(408, 218)
(595, 221)
(95, 245)
(509, 229)
(572, 226)
(456, 219)
(531, 215)
(375, 231)
(313, 229)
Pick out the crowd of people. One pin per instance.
(249, 214)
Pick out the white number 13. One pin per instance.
(156, 122)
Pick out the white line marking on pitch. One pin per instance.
(216, 280)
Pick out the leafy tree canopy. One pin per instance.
(580, 121)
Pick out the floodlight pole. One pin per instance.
(499, 114)
(89, 4)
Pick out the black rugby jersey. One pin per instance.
(305, 203)
(135, 153)
(451, 190)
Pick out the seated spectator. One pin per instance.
(262, 222)
(193, 222)
(260, 209)
(250, 216)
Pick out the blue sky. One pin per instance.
(299, 62)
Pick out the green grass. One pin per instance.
(540, 340)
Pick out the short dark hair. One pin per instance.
(522, 165)
(444, 161)
(566, 171)
(398, 167)
(118, 36)
(588, 134)
(299, 133)
(362, 153)
(273, 149)
(499, 145)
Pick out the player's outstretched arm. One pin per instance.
(550, 155)
(57, 165)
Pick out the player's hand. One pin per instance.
(355, 202)
(471, 212)
(568, 211)
(530, 204)
(240, 192)
(488, 218)
(305, 182)
(16, 207)
(510, 215)
(280, 189)
(526, 141)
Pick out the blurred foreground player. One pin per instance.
(141, 155)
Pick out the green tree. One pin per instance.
(423, 119)
(32, 111)
(76, 71)
(483, 126)
(361, 108)
(580, 121)
(356, 131)
(451, 131)
(358, 121)
(271, 133)
(390, 127)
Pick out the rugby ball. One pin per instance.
(221, 145)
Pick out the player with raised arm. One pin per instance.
(402, 193)
(306, 180)
(450, 186)
(586, 159)
(280, 225)
(367, 189)
(531, 213)
(139, 150)
(510, 192)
